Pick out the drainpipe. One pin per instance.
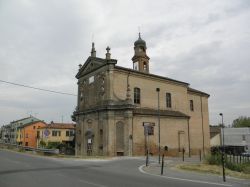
(202, 125)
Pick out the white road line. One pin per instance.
(91, 183)
(181, 179)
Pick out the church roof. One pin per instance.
(59, 126)
(151, 75)
(171, 113)
(197, 91)
(140, 41)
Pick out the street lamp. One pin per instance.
(223, 149)
(159, 126)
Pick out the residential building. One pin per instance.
(10, 130)
(237, 139)
(56, 133)
(122, 111)
(215, 136)
(27, 133)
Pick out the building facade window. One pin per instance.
(144, 66)
(191, 105)
(67, 133)
(168, 100)
(91, 79)
(136, 66)
(54, 133)
(243, 138)
(137, 95)
(148, 128)
(81, 96)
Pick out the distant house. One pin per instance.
(215, 136)
(27, 133)
(9, 132)
(5, 133)
(237, 139)
(56, 133)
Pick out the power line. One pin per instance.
(41, 89)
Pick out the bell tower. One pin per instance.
(140, 58)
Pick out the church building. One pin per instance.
(122, 111)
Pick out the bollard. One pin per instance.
(200, 154)
(162, 164)
(183, 151)
(230, 158)
(223, 166)
(240, 159)
(147, 159)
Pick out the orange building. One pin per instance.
(27, 134)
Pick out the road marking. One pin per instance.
(181, 179)
(91, 183)
(83, 181)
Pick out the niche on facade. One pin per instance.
(89, 134)
(120, 138)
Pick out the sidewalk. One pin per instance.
(170, 172)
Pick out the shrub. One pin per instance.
(53, 145)
(42, 143)
(246, 168)
(233, 166)
(214, 159)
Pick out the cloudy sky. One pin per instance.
(203, 42)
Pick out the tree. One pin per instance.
(241, 121)
(42, 143)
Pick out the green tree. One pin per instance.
(241, 121)
(42, 143)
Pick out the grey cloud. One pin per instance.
(204, 43)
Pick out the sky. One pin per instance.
(203, 42)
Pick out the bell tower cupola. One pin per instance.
(140, 58)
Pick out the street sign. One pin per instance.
(46, 132)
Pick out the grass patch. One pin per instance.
(212, 169)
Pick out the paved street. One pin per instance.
(22, 170)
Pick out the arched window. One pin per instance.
(168, 100)
(191, 102)
(81, 96)
(144, 66)
(137, 95)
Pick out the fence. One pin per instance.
(237, 159)
(41, 150)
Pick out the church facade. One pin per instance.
(123, 111)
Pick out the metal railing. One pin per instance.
(27, 148)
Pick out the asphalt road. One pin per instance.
(22, 170)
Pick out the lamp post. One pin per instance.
(159, 126)
(223, 149)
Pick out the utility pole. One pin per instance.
(223, 150)
(159, 127)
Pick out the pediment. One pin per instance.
(91, 64)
